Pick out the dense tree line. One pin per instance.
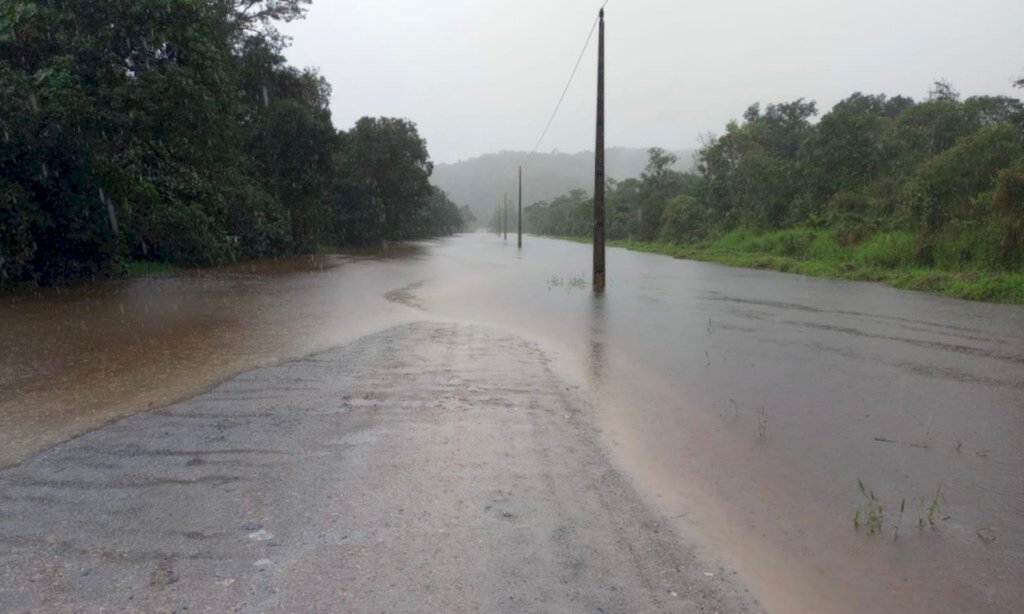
(175, 131)
(945, 174)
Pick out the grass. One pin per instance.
(899, 520)
(871, 514)
(887, 257)
(930, 511)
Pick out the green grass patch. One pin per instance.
(886, 257)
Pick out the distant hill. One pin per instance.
(480, 182)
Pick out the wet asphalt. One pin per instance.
(429, 467)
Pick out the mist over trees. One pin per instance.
(481, 182)
(175, 131)
(939, 181)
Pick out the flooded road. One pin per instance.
(745, 404)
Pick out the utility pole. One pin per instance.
(520, 207)
(599, 165)
(504, 217)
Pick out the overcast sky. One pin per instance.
(479, 76)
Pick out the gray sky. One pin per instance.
(480, 76)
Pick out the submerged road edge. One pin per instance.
(430, 466)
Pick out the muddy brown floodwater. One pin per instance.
(746, 405)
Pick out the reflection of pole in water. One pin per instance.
(596, 334)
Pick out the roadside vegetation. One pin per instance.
(175, 133)
(922, 195)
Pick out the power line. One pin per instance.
(565, 90)
(558, 105)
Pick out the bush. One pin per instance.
(967, 247)
(824, 247)
(1008, 202)
(887, 250)
(683, 220)
(946, 186)
(847, 207)
(794, 243)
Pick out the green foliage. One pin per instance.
(467, 218)
(684, 219)
(926, 195)
(386, 172)
(945, 186)
(886, 250)
(848, 147)
(930, 511)
(871, 514)
(174, 131)
(1008, 205)
(658, 184)
(568, 215)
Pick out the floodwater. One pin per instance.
(745, 404)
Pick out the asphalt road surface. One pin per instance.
(429, 467)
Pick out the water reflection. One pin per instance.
(596, 329)
(76, 358)
(679, 356)
(389, 251)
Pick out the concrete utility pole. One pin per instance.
(599, 165)
(520, 207)
(504, 217)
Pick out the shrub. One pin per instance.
(887, 250)
(683, 220)
(1008, 201)
(946, 186)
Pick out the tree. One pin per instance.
(944, 176)
(945, 186)
(175, 131)
(622, 201)
(848, 149)
(441, 216)
(943, 90)
(782, 128)
(257, 18)
(933, 126)
(387, 168)
(989, 110)
(684, 220)
(1008, 199)
(291, 139)
(469, 221)
(658, 183)
(752, 173)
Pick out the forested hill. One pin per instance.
(481, 182)
(175, 131)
